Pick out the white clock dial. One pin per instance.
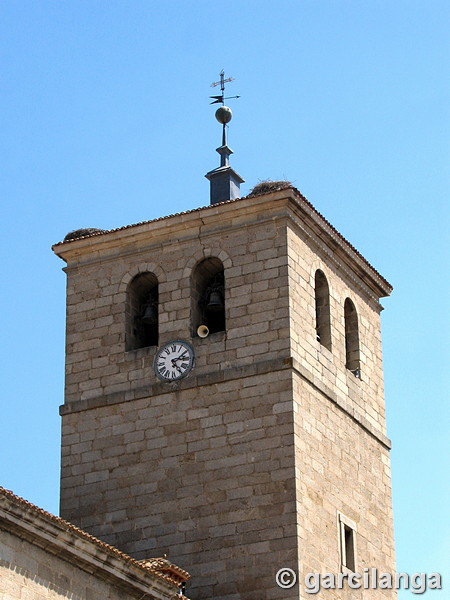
(174, 360)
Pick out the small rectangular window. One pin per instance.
(347, 542)
(348, 554)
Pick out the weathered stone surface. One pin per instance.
(244, 466)
(43, 557)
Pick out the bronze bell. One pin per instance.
(215, 302)
(150, 316)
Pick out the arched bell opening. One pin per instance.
(142, 314)
(208, 296)
(322, 301)
(352, 355)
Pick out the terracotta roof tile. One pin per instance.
(164, 566)
(167, 574)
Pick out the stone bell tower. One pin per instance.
(224, 396)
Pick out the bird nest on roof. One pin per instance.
(80, 233)
(264, 187)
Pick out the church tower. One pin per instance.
(224, 395)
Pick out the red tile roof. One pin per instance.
(164, 570)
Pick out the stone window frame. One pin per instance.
(143, 288)
(347, 527)
(206, 252)
(204, 273)
(122, 297)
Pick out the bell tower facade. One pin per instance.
(224, 397)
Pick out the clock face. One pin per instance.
(174, 360)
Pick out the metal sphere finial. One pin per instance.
(224, 114)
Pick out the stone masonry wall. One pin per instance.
(202, 469)
(366, 395)
(28, 572)
(203, 473)
(341, 468)
(342, 454)
(239, 469)
(256, 291)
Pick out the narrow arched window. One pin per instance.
(208, 296)
(323, 323)
(142, 312)
(352, 358)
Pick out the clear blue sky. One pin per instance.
(105, 121)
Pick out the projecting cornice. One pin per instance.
(69, 543)
(220, 217)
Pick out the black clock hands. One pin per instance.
(181, 357)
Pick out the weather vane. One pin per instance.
(223, 114)
(222, 82)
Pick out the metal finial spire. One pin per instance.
(224, 116)
(224, 180)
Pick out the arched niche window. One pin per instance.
(323, 323)
(208, 295)
(142, 312)
(352, 359)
